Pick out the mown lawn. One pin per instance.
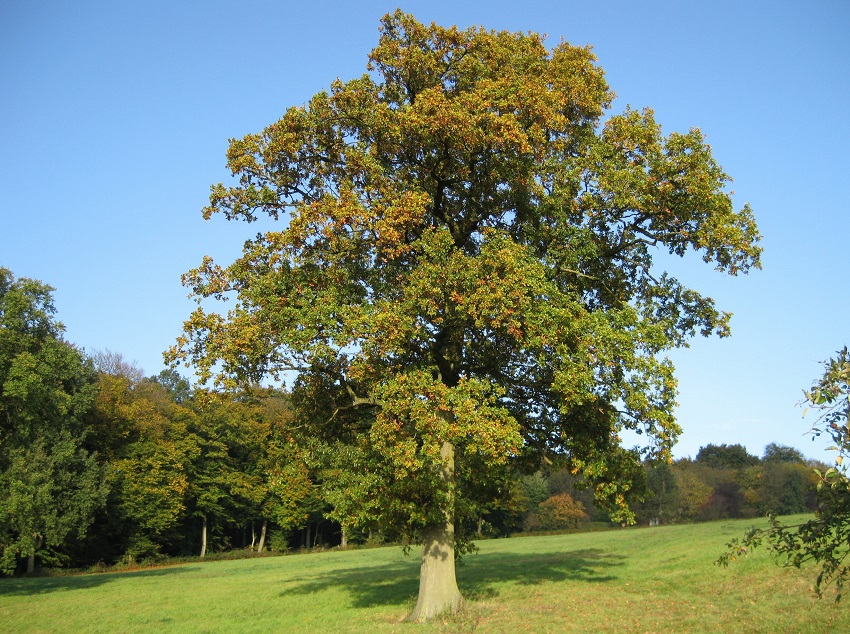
(635, 580)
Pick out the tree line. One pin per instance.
(722, 482)
(101, 464)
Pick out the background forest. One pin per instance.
(101, 465)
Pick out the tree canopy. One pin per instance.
(775, 453)
(464, 273)
(729, 456)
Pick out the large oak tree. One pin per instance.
(464, 273)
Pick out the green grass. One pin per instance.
(636, 580)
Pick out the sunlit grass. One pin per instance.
(637, 580)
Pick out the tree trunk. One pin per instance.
(204, 537)
(31, 557)
(438, 591)
(253, 535)
(343, 540)
(307, 536)
(262, 543)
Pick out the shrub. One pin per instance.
(560, 511)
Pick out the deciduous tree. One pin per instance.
(561, 511)
(50, 486)
(465, 265)
(777, 454)
(726, 456)
(145, 436)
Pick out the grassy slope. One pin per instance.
(640, 580)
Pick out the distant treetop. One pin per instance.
(726, 456)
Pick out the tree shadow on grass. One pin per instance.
(480, 575)
(29, 586)
(482, 571)
(369, 586)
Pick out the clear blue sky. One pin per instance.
(115, 116)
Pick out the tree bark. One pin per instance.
(204, 537)
(343, 540)
(307, 536)
(262, 543)
(438, 591)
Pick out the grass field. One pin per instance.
(636, 580)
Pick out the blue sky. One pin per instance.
(115, 116)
